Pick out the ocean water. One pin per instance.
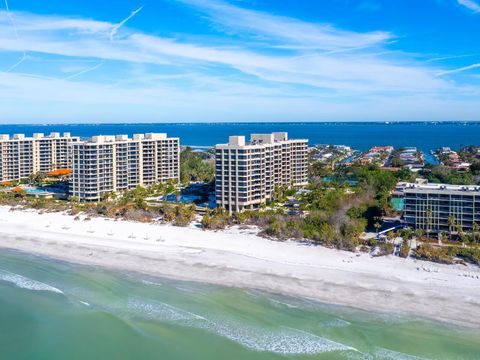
(424, 135)
(55, 310)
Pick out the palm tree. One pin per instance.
(429, 221)
(452, 223)
(408, 233)
(461, 234)
(475, 229)
(419, 233)
(442, 237)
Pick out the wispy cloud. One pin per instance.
(15, 30)
(458, 70)
(451, 57)
(286, 30)
(471, 5)
(266, 65)
(84, 71)
(334, 71)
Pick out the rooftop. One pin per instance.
(52, 135)
(260, 139)
(437, 187)
(124, 138)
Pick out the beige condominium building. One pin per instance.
(105, 164)
(22, 156)
(247, 173)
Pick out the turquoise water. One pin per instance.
(397, 203)
(54, 310)
(188, 199)
(35, 191)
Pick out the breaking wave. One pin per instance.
(384, 354)
(26, 283)
(285, 341)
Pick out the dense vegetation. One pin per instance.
(447, 254)
(335, 214)
(130, 205)
(445, 175)
(340, 204)
(196, 166)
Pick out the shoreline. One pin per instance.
(240, 258)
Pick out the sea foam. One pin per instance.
(26, 283)
(160, 311)
(282, 340)
(384, 354)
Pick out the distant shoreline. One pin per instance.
(259, 122)
(240, 258)
(360, 135)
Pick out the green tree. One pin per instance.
(475, 229)
(196, 167)
(428, 214)
(419, 233)
(37, 178)
(452, 223)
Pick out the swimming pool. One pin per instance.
(35, 191)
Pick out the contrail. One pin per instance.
(84, 71)
(14, 26)
(121, 23)
(113, 31)
(469, 67)
(24, 57)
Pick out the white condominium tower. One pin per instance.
(22, 156)
(107, 164)
(248, 173)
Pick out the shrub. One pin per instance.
(432, 253)
(404, 250)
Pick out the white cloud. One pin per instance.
(471, 5)
(342, 71)
(92, 102)
(291, 32)
(293, 70)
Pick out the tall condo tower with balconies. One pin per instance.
(105, 164)
(247, 173)
(22, 156)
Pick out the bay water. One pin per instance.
(424, 135)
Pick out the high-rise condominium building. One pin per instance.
(248, 173)
(106, 164)
(22, 156)
(441, 207)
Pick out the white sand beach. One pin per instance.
(240, 258)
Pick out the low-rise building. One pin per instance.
(106, 164)
(247, 173)
(21, 156)
(451, 159)
(440, 207)
(376, 155)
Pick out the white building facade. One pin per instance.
(105, 164)
(248, 173)
(22, 156)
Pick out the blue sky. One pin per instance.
(239, 60)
